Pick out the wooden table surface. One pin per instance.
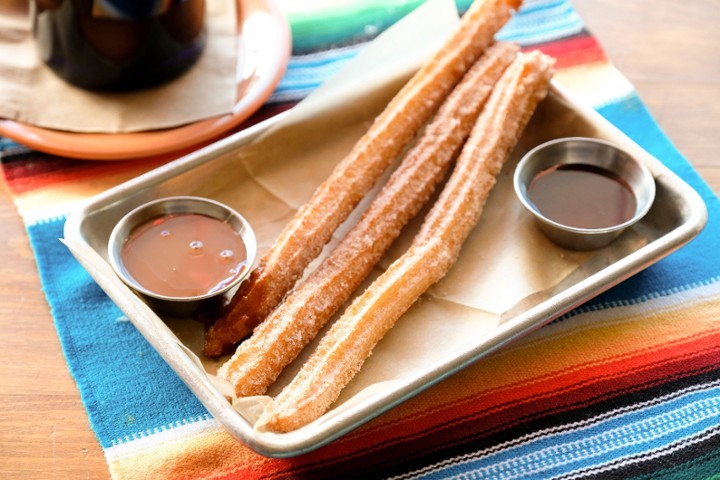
(669, 50)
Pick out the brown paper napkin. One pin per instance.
(30, 92)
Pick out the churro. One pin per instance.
(348, 343)
(298, 319)
(315, 222)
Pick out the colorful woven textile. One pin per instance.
(626, 386)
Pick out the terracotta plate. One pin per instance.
(264, 39)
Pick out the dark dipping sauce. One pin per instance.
(582, 196)
(184, 255)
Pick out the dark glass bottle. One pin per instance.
(117, 50)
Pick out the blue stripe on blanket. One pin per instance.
(125, 385)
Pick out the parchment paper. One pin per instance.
(30, 92)
(505, 260)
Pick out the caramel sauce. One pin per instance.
(184, 255)
(582, 196)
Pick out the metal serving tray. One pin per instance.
(677, 216)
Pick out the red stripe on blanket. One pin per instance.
(427, 424)
(573, 51)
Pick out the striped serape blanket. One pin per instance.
(626, 386)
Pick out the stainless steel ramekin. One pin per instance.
(596, 153)
(179, 306)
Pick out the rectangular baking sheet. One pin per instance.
(267, 171)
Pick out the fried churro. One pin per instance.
(313, 225)
(298, 319)
(348, 343)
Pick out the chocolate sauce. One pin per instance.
(106, 50)
(582, 196)
(184, 255)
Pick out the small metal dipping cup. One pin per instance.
(595, 153)
(179, 306)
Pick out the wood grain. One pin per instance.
(44, 430)
(669, 51)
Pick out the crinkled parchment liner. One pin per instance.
(505, 260)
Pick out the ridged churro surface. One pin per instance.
(297, 320)
(312, 227)
(346, 346)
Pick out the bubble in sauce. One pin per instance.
(196, 247)
(226, 256)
